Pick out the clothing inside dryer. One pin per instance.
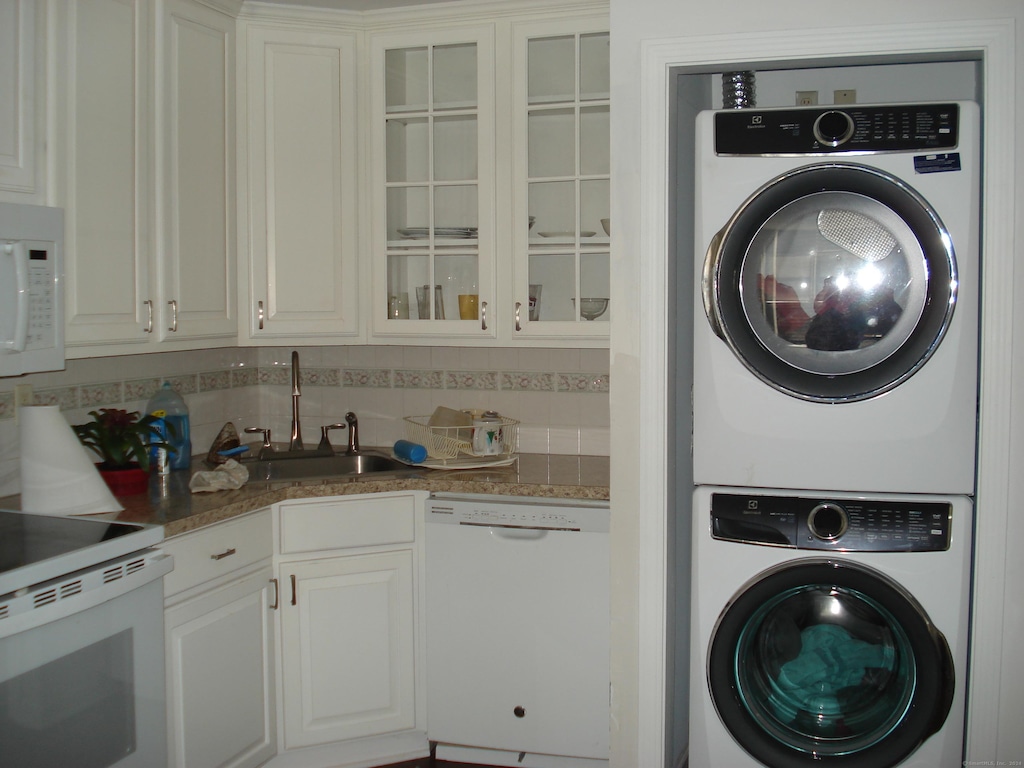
(825, 669)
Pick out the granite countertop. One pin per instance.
(170, 503)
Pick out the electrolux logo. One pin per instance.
(753, 507)
(756, 122)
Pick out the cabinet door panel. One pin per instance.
(348, 647)
(20, 92)
(220, 677)
(302, 185)
(105, 115)
(197, 168)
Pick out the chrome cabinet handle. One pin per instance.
(519, 325)
(225, 553)
(259, 314)
(174, 316)
(483, 315)
(149, 319)
(277, 594)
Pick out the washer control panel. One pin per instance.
(843, 525)
(845, 128)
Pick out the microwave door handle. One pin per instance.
(19, 255)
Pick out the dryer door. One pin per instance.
(834, 282)
(820, 659)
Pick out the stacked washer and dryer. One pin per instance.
(835, 401)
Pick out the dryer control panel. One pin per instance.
(845, 525)
(828, 130)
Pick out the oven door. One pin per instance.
(82, 679)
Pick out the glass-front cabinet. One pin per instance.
(436, 209)
(562, 243)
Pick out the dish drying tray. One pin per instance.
(453, 443)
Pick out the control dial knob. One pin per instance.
(833, 128)
(828, 521)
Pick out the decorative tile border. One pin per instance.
(105, 394)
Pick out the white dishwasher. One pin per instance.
(517, 626)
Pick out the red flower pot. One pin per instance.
(129, 481)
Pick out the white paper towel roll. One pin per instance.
(58, 476)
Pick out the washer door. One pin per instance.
(824, 660)
(833, 283)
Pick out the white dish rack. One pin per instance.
(452, 442)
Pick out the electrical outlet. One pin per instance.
(806, 98)
(844, 97)
(22, 396)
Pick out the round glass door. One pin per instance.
(835, 282)
(822, 659)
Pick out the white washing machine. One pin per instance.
(836, 327)
(828, 629)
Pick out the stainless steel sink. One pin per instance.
(339, 465)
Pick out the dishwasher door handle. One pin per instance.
(522, 534)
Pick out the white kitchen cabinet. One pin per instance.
(433, 138)
(561, 267)
(299, 267)
(22, 104)
(144, 148)
(220, 646)
(348, 619)
(476, 130)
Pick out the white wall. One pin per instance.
(645, 31)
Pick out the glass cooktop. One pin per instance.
(35, 548)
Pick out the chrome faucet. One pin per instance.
(295, 444)
(353, 433)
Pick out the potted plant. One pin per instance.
(122, 440)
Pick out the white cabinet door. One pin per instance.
(434, 161)
(22, 103)
(561, 267)
(103, 160)
(301, 189)
(347, 655)
(195, 140)
(220, 672)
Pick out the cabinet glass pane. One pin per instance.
(408, 207)
(552, 142)
(594, 205)
(455, 208)
(406, 80)
(457, 275)
(553, 286)
(551, 71)
(554, 205)
(594, 69)
(594, 286)
(407, 156)
(455, 148)
(595, 141)
(405, 272)
(455, 76)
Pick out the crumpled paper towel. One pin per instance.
(229, 476)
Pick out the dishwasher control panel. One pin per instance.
(518, 512)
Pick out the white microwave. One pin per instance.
(31, 289)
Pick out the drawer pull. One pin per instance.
(277, 594)
(222, 555)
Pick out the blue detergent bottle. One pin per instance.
(168, 406)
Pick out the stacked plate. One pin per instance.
(421, 233)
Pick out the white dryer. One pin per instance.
(828, 629)
(837, 317)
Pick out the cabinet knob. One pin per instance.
(519, 711)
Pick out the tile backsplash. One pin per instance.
(559, 396)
